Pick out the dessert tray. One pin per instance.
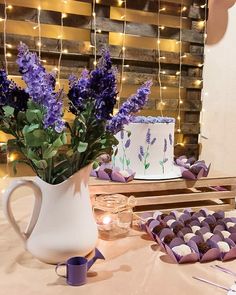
(193, 236)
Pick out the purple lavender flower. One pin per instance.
(127, 144)
(153, 141)
(148, 136)
(140, 157)
(132, 105)
(165, 145)
(170, 139)
(40, 87)
(79, 92)
(99, 87)
(104, 87)
(141, 151)
(11, 94)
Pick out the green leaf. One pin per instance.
(34, 115)
(30, 128)
(36, 138)
(95, 164)
(147, 166)
(41, 164)
(8, 111)
(82, 147)
(127, 162)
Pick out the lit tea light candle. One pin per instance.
(106, 221)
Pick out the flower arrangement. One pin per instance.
(53, 147)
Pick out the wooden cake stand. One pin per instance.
(175, 194)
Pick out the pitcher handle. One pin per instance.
(37, 206)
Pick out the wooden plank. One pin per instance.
(75, 7)
(177, 198)
(145, 42)
(98, 186)
(79, 49)
(218, 207)
(48, 31)
(144, 17)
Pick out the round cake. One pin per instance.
(146, 146)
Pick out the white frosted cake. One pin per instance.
(146, 146)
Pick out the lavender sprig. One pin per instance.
(12, 95)
(41, 87)
(134, 104)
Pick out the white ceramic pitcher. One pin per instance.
(62, 223)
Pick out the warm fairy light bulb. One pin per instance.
(164, 87)
(9, 45)
(35, 27)
(120, 2)
(162, 57)
(9, 7)
(184, 8)
(162, 27)
(183, 56)
(200, 65)
(177, 73)
(163, 72)
(198, 82)
(163, 9)
(94, 63)
(8, 54)
(203, 6)
(106, 219)
(55, 69)
(1, 19)
(123, 48)
(122, 17)
(178, 118)
(158, 41)
(201, 23)
(94, 14)
(179, 130)
(99, 31)
(163, 103)
(12, 157)
(64, 15)
(126, 66)
(181, 102)
(65, 51)
(123, 79)
(91, 46)
(118, 98)
(181, 144)
(39, 44)
(44, 61)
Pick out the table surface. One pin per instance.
(134, 265)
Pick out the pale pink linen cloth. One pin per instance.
(133, 266)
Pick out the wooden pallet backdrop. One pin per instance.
(141, 53)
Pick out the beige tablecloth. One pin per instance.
(133, 266)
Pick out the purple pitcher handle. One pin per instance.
(56, 268)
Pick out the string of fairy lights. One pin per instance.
(123, 49)
(179, 73)
(204, 24)
(159, 56)
(94, 34)
(123, 3)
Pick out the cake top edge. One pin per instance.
(152, 120)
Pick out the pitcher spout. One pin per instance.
(98, 255)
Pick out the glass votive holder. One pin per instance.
(113, 215)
